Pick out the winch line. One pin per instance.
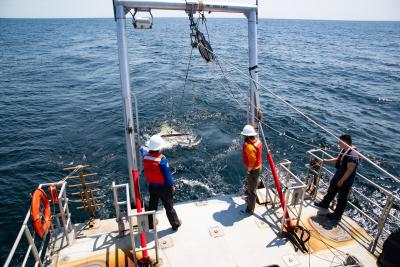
(229, 90)
(184, 89)
(211, 67)
(263, 123)
(279, 133)
(309, 118)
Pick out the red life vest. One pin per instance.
(258, 146)
(151, 168)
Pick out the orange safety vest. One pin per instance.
(258, 146)
(152, 169)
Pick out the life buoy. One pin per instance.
(41, 221)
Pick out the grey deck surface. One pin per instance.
(237, 239)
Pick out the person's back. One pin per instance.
(161, 184)
(155, 165)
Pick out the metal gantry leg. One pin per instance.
(253, 61)
(126, 94)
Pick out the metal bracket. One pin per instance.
(166, 242)
(216, 231)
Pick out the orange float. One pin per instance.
(40, 213)
(53, 194)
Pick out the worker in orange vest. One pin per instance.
(161, 184)
(252, 160)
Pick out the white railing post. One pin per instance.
(32, 243)
(116, 206)
(382, 221)
(63, 219)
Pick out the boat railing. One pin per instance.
(314, 179)
(133, 218)
(63, 224)
(294, 190)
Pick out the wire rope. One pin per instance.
(308, 118)
(280, 133)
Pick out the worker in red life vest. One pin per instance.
(252, 160)
(161, 184)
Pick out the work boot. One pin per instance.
(333, 217)
(175, 228)
(249, 211)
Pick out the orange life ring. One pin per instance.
(41, 221)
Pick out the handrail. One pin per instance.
(24, 230)
(290, 190)
(360, 193)
(16, 243)
(387, 192)
(130, 214)
(385, 210)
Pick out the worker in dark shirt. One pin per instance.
(346, 166)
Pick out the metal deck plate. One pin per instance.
(166, 242)
(216, 231)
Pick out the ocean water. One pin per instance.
(60, 101)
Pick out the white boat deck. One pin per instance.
(216, 232)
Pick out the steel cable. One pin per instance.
(311, 120)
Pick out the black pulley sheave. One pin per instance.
(204, 47)
(199, 41)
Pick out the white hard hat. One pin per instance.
(156, 143)
(248, 130)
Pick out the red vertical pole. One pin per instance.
(138, 201)
(279, 189)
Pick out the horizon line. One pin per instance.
(173, 17)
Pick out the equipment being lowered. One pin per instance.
(174, 138)
(142, 22)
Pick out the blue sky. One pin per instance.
(288, 9)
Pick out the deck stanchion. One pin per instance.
(382, 221)
(34, 249)
(116, 206)
(62, 212)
